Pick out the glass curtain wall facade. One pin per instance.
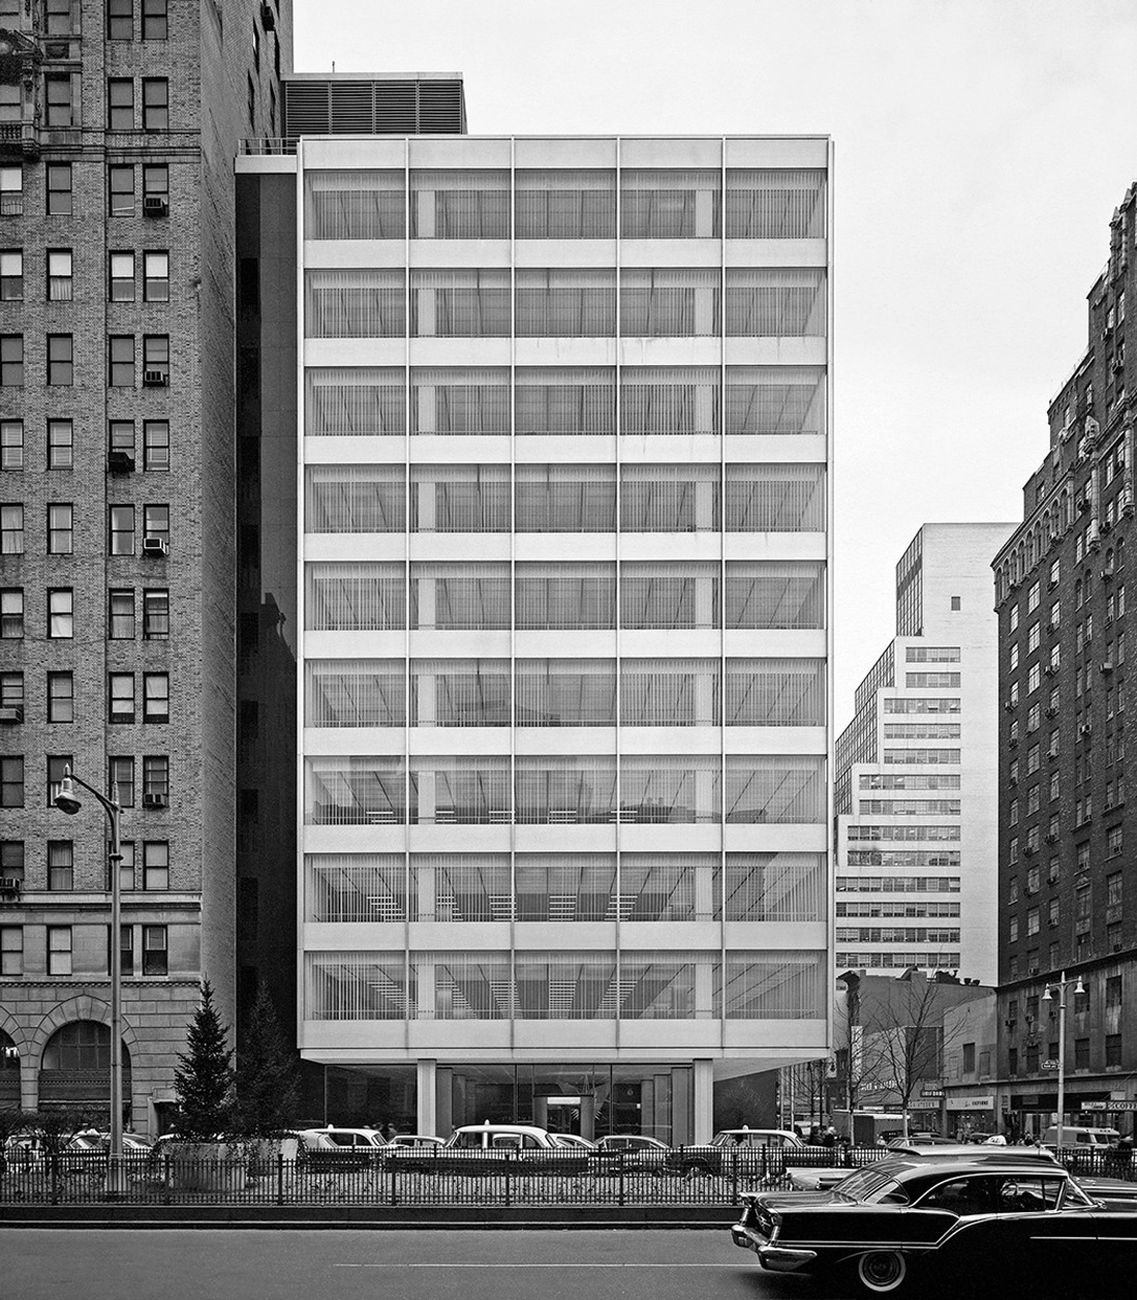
(563, 588)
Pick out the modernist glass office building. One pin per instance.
(562, 617)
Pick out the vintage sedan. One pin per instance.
(906, 1223)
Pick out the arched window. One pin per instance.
(81, 1045)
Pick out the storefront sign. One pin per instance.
(983, 1102)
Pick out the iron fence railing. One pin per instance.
(695, 1176)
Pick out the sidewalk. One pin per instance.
(365, 1216)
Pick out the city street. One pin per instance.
(403, 1265)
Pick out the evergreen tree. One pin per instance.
(268, 1082)
(203, 1081)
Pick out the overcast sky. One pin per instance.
(982, 146)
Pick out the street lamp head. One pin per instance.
(1046, 994)
(66, 800)
(1079, 988)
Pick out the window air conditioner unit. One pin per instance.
(1030, 851)
(1083, 505)
(1107, 667)
(1050, 586)
(10, 886)
(156, 546)
(268, 18)
(120, 462)
(1107, 572)
(1051, 713)
(1009, 706)
(1084, 729)
(12, 713)
(154, 205)
(1050, 670)
(1051, 839)
(153, 801)
(1105, 526)
(154, 379)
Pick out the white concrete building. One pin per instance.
(917, 772)
(564, 612)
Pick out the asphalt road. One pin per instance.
(603, 1264)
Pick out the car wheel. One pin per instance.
(882, 1272)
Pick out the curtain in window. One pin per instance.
(460, 596)
(571, 303)
(784, 985)
(670, 204)
(354, 693)
(669, 400)
(355, 402)
(353, 204)
(575, 400)
(564, 789)
(460, 302)
(670, 787)
(775, 594)
(669, 498)
(563, 204)
(763, 302)
(768, 204)
(456, 204)
(565, 886)
(566, 692)
(567, 595)
(460, 498)
(670, 301)
(342, 887)
(775, 693)
(462, 886)
(350, 790)
(669, 886)
(566, 985)
(453, 400)
(460, 693)
(357, 986)
(775, 498)
(668, 985)
(775, 887)
(775, 788)
(355, 304)
(669, 594)
(447, 790)
(354, 597)
(565, 498)
(467, 985)
(669, 692)
(354, 499)
(775, 399)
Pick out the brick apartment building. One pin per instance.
(119, 122)
(1068, 890)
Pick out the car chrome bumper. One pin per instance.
(775, 1258)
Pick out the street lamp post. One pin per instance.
(1061, 985)
(67, 801)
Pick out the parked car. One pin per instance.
(475, 1148)
(412, 1141)
(823, 1178)
(342, 1149)
(573, 1141)
(901, 1223)
(753, 1150)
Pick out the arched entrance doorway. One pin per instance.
(76, 1071)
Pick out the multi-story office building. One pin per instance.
(916, 825)
(553, 416)
(119, 121)
(1067, 890)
